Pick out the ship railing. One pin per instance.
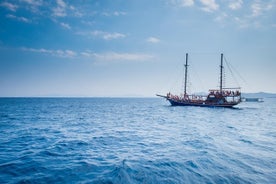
(186, 97)
(226, 92)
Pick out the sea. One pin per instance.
(135, 140)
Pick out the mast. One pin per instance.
(221, 70)
(186, 71)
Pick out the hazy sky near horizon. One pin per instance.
(134, 47)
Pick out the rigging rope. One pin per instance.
(230, 67)
(201, 84)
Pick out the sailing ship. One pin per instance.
(222, 97)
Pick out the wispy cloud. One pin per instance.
(252, 15)
(153, 40)
(75, 12)
(242, 23)
(21, 19)
(58, 53)
(258, 7)
(182, 3)
(114, 56)
(94, 56)
(60, 9)
(222, 17)
(115, 13)
(33, 2)
(61, 3)
(109, 36)
(32, 5)
(117, 57)
(102, 34)
(64, 9)
(209, 5)
(234, 5)
(66, 26)
(9, 6)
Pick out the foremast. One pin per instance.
(221, 73)
(186, 73)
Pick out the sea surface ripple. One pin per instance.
(135, 140)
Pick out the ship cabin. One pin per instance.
(224, 95)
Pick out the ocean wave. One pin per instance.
(106, 140)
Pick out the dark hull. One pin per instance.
(201, 104)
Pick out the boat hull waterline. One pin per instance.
(203, 104)
(176, 102)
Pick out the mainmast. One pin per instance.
(221, 71)
(186, 71)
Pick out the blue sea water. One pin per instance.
(135, 140)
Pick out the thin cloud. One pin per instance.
(99, 57)
(9, 6)
(118, 13)
(75, 12)
(58, 53)
(123, 56)
(251, 16)
(115, 13)
(242, 23)
(153, 40)
(66, 26)
(235, 5)
(102, 34)
(64, 9)
(33, 5)
(33, 2)
(209, 5)
(116, 57)
(110, 36)
(182, 3)
(21, 19)
(60, 9)
(258, 7)
(59, 12)
(61, 3)
(222, 17)
(87, 54)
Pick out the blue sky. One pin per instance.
(134, 47)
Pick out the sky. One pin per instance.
(111, 48)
